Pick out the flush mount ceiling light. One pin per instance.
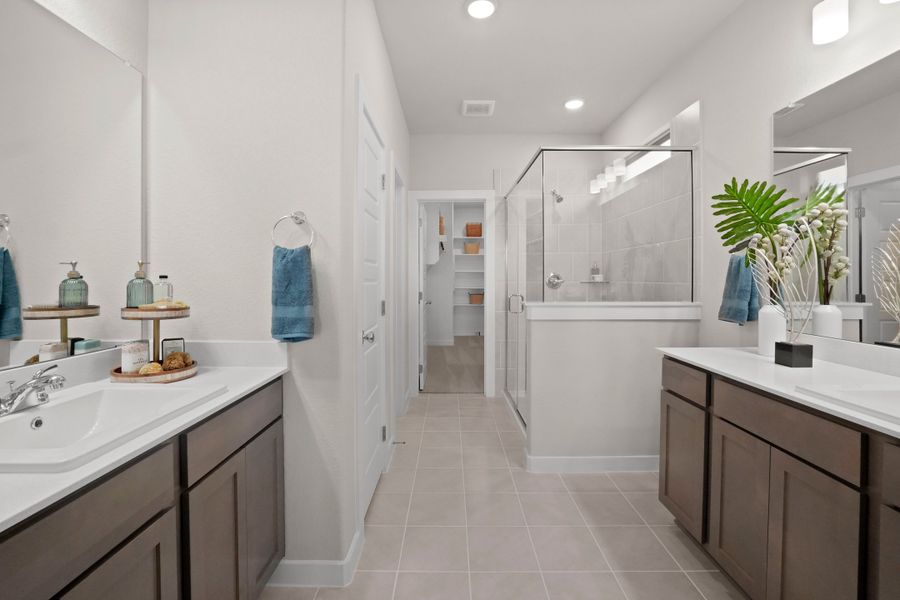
(888, 1)
(481, 9)
(574, 104)
(831, 21)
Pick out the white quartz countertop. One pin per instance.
(25, 494)
(745, 366)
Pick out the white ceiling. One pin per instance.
(533, 55)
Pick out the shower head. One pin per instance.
(557, 196)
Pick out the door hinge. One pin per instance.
(421, 296)
(421, 222)
(384, 182)
(421, 369)
(860, 212)
(383, 307)
(384, 433)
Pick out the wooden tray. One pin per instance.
(165, 377)
(58, 312)
(136, 314)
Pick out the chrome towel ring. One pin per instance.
(5, 235)
(299, 218)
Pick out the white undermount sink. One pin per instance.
(78, 425)
(879, 401)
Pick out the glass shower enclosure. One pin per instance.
(596, 224)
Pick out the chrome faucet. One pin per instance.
(38, 384)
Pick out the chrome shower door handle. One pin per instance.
(554, 281)
(368, 337)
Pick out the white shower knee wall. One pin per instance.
(594, 392)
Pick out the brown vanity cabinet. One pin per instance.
(888, 553)
(682, 448)
(235, 512)
(739, 505)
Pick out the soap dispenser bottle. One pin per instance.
(73, 291)
(140, 289)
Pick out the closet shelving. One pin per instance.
(468, 269)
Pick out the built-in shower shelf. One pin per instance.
(461, 253)
(467, 304)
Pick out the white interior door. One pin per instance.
(423, 303)
(372, 414)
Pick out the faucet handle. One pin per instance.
(44, 370)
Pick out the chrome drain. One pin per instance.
(37, 422)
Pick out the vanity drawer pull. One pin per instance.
(828, 445)
(210, 443)
(38, 561)
(890, 475)
(687, 382)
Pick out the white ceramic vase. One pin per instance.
(771, 328)
(827, 321)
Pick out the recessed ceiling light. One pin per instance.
(831, 21)
(481, 9)
(575, 104)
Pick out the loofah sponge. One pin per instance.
(177, 360)
(151, 369)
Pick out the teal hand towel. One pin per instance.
(10, 307)
(292, 294)
(740, 298)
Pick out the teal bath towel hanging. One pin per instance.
(292, 294)
(10, 306)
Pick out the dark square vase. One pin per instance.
(888, 344)
(793, 355)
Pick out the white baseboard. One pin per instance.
(320, 573)
(590, 464)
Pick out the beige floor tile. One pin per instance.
(507, 424)
(396, 481)
(493, 509)
(484, 458)
(650, 508)
(633, 549)
(440, 439)
(589, 482)
(512, 439)
(438, 480)
(501, 549)
(658, 586)
(481, 412)
(381, 551)
(405, 457)
(414, 423)
(606, 509)
(480, 438)
(434, 549)
(417, 408)
(688, 554)
(440, 458)
(432, 586)
(474, 402)
(441, 424)
(388, 509)
(408, 437)
(636, 482)
(365, 586)
(516, 458)
(288, 593)
(538, 482)
(477, 424)
(567, 549)
(437, 509)
(508, 586)
(491, 481)
(583, 586)
(550, 509)
(444, 409)
(716, 586)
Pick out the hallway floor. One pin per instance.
(456, 369)
(458, 518)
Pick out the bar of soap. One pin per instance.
(151, 369)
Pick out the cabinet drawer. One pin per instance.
(832, 447)
(890, 475)
(40, 560)
(687, 382)
(145, 568)
(218, 438)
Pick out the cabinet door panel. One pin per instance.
(889, 555)
(814, 534)
(265, 506)
(218, 532)
(145, 568)
(682, 461)
(739, 505)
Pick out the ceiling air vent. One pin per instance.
(478, 108)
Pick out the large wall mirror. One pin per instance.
(848, 135)
(70, 182)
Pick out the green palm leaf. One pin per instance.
(750, 209)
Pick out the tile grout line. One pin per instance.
(594, 537)
(462, 470)
(654, 534)
(408, 509)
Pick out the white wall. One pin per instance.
(253, 115)
(741, 77)
(118, 25)
(70, 166)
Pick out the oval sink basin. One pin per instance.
(78, 425)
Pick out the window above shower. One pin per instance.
(604, 224)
